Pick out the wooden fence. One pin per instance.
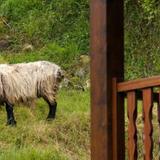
(145, 90)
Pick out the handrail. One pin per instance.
(134, 90)
(138, 84)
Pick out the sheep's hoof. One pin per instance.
(50, 118)
(11, 123)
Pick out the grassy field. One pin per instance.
(65, 138)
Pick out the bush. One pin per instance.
(64, 56)
(41, 22)
(142, 38)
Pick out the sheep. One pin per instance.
(25, 82)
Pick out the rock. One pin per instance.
(79, 87)
(88, 83)
(84, 59)
(4, 44)
(66, 83)
(80, 73)
(27, 48)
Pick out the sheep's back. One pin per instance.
(25, 81)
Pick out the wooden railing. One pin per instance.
(143, 89)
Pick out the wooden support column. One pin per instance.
(107, 135)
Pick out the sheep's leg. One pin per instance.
(10, 115)
(52, 110)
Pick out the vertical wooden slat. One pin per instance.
(148, 128)
(132, 130)
(143, 129)
(107, 61)
(114, 115)
(117, 122)
(158, 115)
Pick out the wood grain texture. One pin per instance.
(132, 130)
(139, 84)
(117, 111)
(114, 118)
(158, 115)
(107, 61)
(148, 128)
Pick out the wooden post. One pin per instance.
(107, 142)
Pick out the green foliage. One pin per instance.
(40, 22)
(64, 56)
(142, 38)
(150, 8)
(31, 153)
(61, 30)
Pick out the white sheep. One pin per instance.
(24, 82)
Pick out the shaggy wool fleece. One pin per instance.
(25, 82)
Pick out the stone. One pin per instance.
(66, 83)
(4, 44)
(27, 48)
(88, 83)
(80, 73)
(84, 59)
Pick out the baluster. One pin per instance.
(143, 129)
(158, 114)
(148, 128)
(132, 130)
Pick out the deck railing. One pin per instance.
(145, 90)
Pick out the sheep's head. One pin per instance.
(60, 75)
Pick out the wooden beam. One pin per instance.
(139, 84)
(106, 62)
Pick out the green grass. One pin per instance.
(65, 138)
(30, 153)
(64, 56)
(41, 22)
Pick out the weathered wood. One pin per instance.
(106, 62)
(138, 84)
(148, 128)
(132, 130)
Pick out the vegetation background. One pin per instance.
(58, 31)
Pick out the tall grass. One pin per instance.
(66, 138)
(42, 22)
(64, 56)
(32, 153)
